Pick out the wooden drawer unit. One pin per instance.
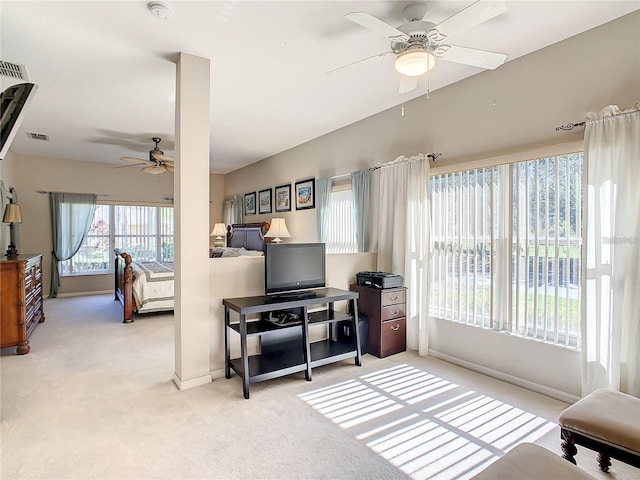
(393, 337)
(386, 311)
(21, 294)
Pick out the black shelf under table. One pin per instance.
(297, 354)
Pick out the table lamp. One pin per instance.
(12, 216)
(277, 230)
(219, 231)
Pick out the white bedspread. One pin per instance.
(153, 286)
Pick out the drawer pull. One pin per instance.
(394, 299)
(395, 327)
(395, 312)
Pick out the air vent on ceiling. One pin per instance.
(38, 136)
(14, 70)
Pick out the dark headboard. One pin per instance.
(248, 235)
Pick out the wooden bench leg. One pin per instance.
(568, 445)
(604, 461)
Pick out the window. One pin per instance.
(506, 248)
(341, 235)
(145, 232)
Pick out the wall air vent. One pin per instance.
(14, 70)
(38, 136)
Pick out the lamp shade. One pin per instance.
(12, 213)
(219, 230)
(277, 230)
(415, 62)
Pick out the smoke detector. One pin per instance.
(161, 10)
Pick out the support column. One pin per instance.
(191, 210)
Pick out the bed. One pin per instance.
(248, 235)
(145, 287)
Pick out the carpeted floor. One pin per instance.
(95, 399)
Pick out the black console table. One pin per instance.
(283, 351)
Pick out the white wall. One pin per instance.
(509, 110)
(539, 366)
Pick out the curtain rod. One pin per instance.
(431, 156)
(340, 176)
(571, 126)
(44, 192)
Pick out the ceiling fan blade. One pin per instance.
(407, 84)
(381, 56)
(169, 168)
(475, 57)
(155, 170)
(161, 157)
(367, 20)
(473, 15)
(127, 166)
(134, 160)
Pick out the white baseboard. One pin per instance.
(83, 294)
(535, 387)
(194, 382)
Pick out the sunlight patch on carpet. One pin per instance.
(426, 426)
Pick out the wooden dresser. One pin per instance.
(21, 300)
(386, 312)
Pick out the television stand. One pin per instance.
(298, 355)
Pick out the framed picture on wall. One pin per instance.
(283, 198)
(264, 201)
(250, 203)
(305, 194)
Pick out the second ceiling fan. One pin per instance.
(418, 43)
(157, 163)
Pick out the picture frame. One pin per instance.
(283, 198)
(264, 201)
(305, 194)
(250, 203)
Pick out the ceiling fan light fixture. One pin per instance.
(415, 62)
(154, 169)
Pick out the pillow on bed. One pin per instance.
(249, 253)
(230, 252)
(217, 252)
(220, 252)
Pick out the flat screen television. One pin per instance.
(291, 268)
(13, 104)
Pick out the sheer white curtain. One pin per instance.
(232, 211)
(611, 292)
(403, 239)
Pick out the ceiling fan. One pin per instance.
(418, 44)
(158, 162)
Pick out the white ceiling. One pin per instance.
(107, 81)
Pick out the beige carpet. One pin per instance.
(95, 399)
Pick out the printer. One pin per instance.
(379, 279)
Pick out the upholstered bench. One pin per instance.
(605, 421)
(528, 461)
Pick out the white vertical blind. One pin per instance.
(533, 206)
(341, 234)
